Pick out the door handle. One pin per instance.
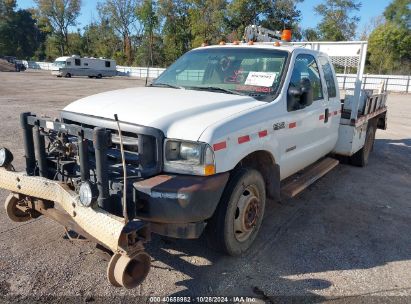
(326, 114)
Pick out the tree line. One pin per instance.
(156, 32)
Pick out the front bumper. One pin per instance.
(101, 226)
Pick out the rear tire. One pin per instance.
(238, 217)
(99, 76)
(361, 157)
(68, 75)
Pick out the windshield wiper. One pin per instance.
(216, 89)
(165, 85)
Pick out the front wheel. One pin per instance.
(238, 217)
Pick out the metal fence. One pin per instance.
(394, 83)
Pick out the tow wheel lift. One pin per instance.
(33, 194)
(129, 264)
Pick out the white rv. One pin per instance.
(77, 66)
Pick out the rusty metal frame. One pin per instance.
(92, 222)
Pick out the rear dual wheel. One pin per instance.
(361, 157)
(238, 217)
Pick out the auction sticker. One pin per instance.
(261, 79)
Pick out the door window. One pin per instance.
(329, 77)
(77, 62)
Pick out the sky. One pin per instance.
(369, 9)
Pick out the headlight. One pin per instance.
(6, 157)
(188, 158)
(88, 194)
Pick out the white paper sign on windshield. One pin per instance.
(261, 79)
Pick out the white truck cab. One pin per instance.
(199, 150)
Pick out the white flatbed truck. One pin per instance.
(199, 150)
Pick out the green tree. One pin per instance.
(121, 15)
(389, 43)
(389, 48)
(272, 14)
(19, 35)
(147, 14)
(7, 8)
(207, 21)
(399, 12)
(241, 13)
(310, 34)
(283, 14)
(337, 22)
(100, 40)
(176, 30)
(61, 14)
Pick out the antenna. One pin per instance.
(123, 160)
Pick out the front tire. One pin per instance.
(238, 217)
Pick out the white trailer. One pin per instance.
(78, 66)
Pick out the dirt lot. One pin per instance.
(346, 237)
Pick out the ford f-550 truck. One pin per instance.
(198, 151)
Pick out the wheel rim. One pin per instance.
(247, 213)
(14, 213)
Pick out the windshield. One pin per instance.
(243, 71)
(59, 63)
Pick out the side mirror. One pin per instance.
(293, 98)
(306, 92)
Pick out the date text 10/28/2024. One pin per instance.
(205, 299)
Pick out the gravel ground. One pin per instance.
(345, 238)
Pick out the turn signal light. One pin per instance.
(209, 170)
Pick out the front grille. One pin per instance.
(143, 151)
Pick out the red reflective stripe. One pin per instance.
(335, 112)
(321, 117)
(220, 146)
(243, 139)
(263, 133)
(292, 125)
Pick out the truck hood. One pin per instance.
(179, 113)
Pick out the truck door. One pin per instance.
(306, 139)
(333, 98)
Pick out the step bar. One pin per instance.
(308, 176)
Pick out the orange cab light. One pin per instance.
(277, 43)
(286, 35)
(236, 42)
(250, 42)
(204, 44)
(222, 42)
